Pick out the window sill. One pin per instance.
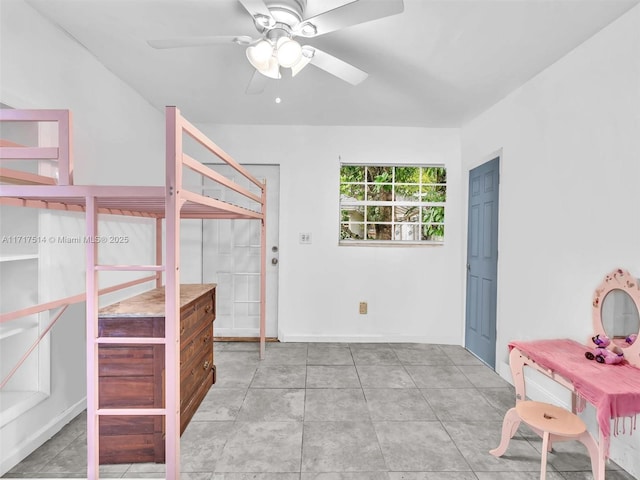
(388, 243)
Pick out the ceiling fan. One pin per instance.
(279, 23)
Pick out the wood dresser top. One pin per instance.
(151, 303)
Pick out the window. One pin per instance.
(386, 204)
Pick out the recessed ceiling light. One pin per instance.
(278, 99)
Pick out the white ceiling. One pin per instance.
(437, 64)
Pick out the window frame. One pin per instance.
(365, 204)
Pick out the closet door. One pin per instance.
(231, 257)
(482, 261)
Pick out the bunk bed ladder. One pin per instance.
(94, 411)
(171, 340)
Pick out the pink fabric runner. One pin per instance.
(613, 389)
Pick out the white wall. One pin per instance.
(41, 67)
(569, 200)
(412, 291)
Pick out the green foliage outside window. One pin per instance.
(392, 203)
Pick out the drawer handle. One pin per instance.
(207, 309)
(206, 365)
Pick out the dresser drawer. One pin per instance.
(128, 375)
(131, 326)
(126, 360)
(193, 374)
(131, 439)
(188, 409)
(199, 342)
(194, 315)
(205, 307)
(188, 323)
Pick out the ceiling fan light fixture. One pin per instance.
(288, 52)
(260, 54)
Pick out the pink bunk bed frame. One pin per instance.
(171, 203)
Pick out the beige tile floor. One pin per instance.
(322, 411)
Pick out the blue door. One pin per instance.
(482, 261)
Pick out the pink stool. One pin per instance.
(552, 423)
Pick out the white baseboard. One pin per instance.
(502, 369)
(283, 337)
(22, 451)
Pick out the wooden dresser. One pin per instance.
(132, 376)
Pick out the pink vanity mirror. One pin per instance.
(616, 313)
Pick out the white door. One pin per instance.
(231, 257)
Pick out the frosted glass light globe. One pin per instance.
(259, 54)
(288, 52)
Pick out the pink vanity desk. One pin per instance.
(614, 390)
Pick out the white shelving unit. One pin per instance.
(20, 288)
(17, 258)
(18, 326)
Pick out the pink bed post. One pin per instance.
(158, 250)
(172, 292)
(263, 269)
(92, 343)
(65, 152)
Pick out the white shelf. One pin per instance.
(15, 258)
(17, 326)
(15, 403)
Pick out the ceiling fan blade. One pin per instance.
(256, 8)
(337, 67)
(182, 42)
(353, 13)
(257, 83)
